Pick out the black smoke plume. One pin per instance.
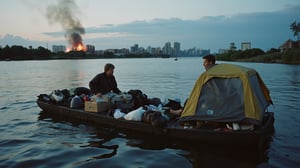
(65, 13)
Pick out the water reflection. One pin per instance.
(29, 143)
(109, 141)
(203, 155)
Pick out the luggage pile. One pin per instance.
(133, 105)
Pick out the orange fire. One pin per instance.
(78, 47)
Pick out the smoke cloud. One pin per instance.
(64, 13)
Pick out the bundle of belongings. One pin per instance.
(153, 112)
(73, 98)
(133, 105)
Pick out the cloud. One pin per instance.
(263, 29)
(11, 40)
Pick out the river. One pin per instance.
(27, 139)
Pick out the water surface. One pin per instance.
(31, 139)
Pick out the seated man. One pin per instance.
(105, 83)
(209, 61)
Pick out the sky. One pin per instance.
(205, 24)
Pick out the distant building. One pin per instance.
(99, 52)
(134, 49)
(176, 48)
(223, 51)
(117, 52)
(141, 50)
(245, 46)
(90, 48)
(124, 51)
(167, 48)
(152, 50)
(114, 51)
(290, 44)
(58, 48)
(232, 46)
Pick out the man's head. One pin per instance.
(208, 60)
(109, 69)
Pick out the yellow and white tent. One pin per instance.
(227, 93)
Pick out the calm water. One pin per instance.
(28, 139)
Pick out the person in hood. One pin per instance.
(105, 82)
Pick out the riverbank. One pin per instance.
(74, 55)
(290, 56)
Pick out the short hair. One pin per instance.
(108, 66)
(210, 58)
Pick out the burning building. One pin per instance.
(64, 13)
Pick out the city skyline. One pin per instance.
(166, 49)
(117, 24)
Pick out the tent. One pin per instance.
(228, 93)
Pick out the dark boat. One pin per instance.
(224, 94)
(173, 131)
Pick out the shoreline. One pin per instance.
(289, 56)
(89, 58)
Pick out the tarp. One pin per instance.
(227, 93)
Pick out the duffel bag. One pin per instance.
(124, 102)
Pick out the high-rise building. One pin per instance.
(245, 46)
(167, 48)
(90, 48)
(58, 48)
(176, 48)
(134, 49)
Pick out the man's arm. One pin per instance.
(115, 87)
(95, 85)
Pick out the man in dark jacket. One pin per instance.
(105, 82)
(209, 61)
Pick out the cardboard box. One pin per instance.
(91, 106)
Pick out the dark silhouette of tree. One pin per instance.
(42, 52)
(21, 53)
(273, 50)
(6, 53)
(295, 27)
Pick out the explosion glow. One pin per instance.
(65, 14)
(76, 43)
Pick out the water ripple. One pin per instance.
(31, 139)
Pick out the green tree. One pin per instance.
(295, 27)
(273, 50)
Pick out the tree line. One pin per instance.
(21, 53)
(289, 55)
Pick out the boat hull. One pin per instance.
(172, 132)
